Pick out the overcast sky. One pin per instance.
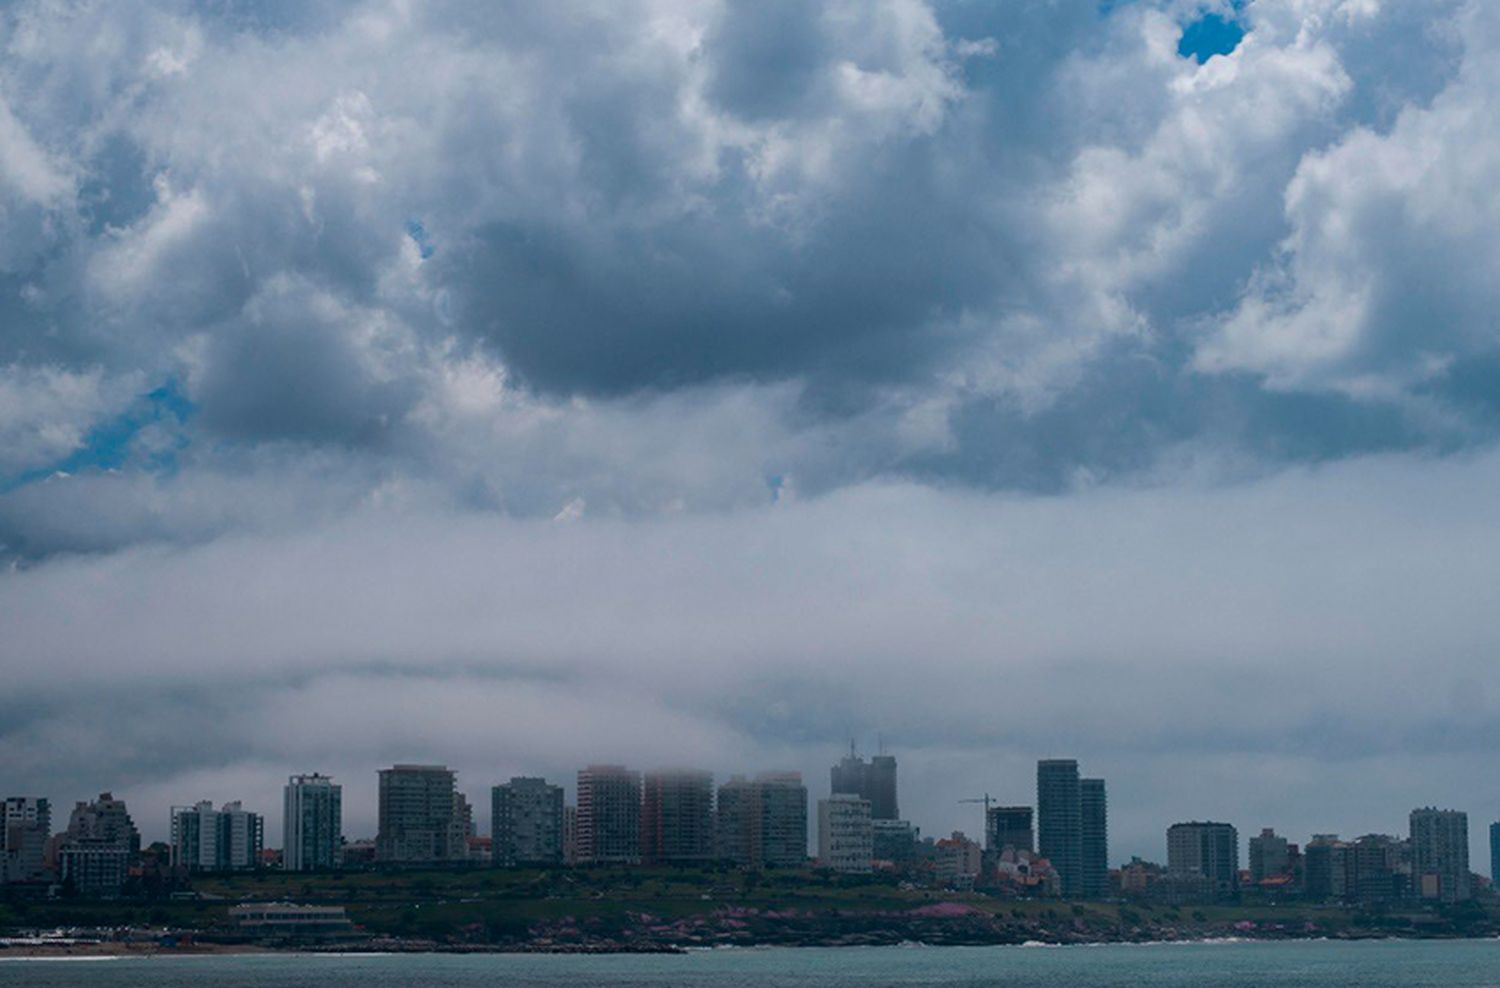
(521, 385)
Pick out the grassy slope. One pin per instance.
(503, 904)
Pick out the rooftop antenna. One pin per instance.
(880, 742)
(852, 753)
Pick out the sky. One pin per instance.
(518, 386)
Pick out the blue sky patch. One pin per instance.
(418, 234)
(1210, 35)
(108, 445)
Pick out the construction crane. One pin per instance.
(986, 800)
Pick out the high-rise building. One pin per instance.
(1495, 854)
(609, 815)
(526, 822)
(95, 852)
(106, 822)
(461, 835)
(762, 823)
(880, 788)
(1440, 854)
(1270, 855)
(242, 837)
(845, 837)
(1372, 869)
(312, 823)
(1094, 846)
(25, 828)
(1208, 851)
(783, 820)
(1008, 826)
(195, 836)
(677, 817)
(226, 839)
(421, 815)
(737, 823)
(874, 781)
(1325, 870)
(1059, 827)
(570, 834)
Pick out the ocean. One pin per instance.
(1287, 964)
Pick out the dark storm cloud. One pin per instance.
(962, 203)
(291, 369)
(767, 58)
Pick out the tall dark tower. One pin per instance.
(1059, 825)
(848, 776)
(880, 788)
(874, 780)
(1094, 812)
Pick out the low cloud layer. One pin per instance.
(1184, 643)
(633, 378)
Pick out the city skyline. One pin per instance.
(1478, 829)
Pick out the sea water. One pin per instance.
(1285, 964)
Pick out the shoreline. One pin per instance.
(118, 950)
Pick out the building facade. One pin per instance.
(873, 780)
(1440, 854)
(570, 834)
(1205, 851)
(1094, 843)
(958, 860)
(25, 828)
(1373, 869)
(896, 841)
(1325, 871)
(226, 839)
(1270, 855)
(762, 822)
(526, 822)
(1495, 854)
(312, 823)
(105, 821)
(609, 815)
(845, 837)
(93, 869)
(677, 817)
(1008, 826)
(1059, 827)
(421, 816)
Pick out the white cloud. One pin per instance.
(46, 412)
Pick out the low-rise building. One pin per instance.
(93, 869)
(958, 861)
(289, 921)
